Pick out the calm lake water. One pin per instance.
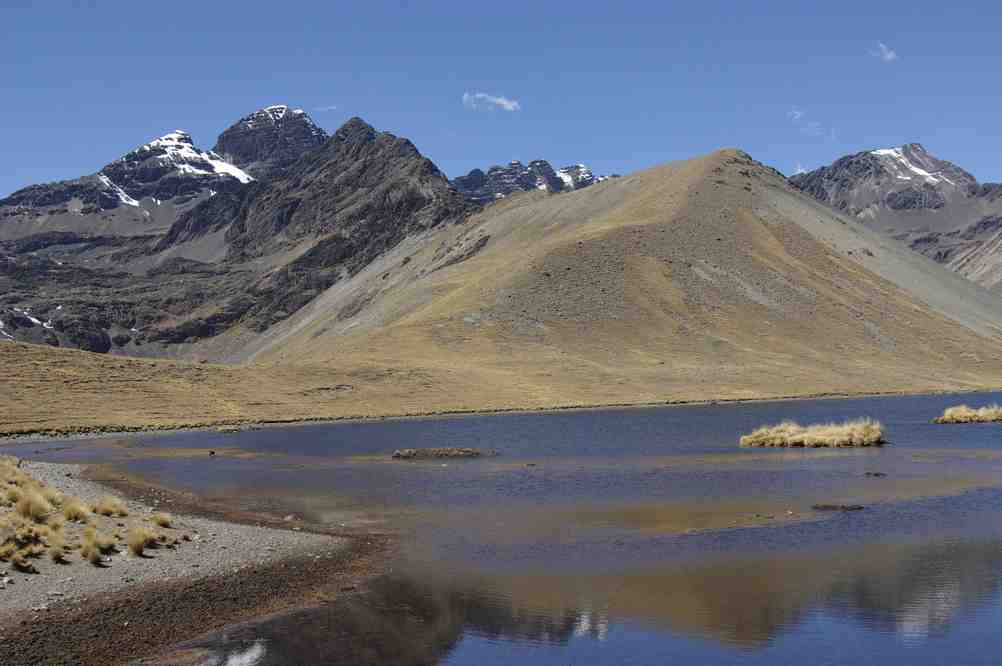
(633, 536)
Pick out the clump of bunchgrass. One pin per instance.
(33, 505)
(111, 506)
(862, 432)
(161, 519)
(29, 533)
(964, 414)
(90, 552)
(141, 538)
(75, 511)
(93, 545)
(20, 561)
(13, 495)
(52, 496)
(56, 522)
(57, 547)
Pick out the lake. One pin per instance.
(623, 536)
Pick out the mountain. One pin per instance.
(706, 279)
(235, 259)
(932, 205)
(269, 140)
(139, 193)
(501, 181)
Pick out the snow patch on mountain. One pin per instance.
(277, 111)
(119, 192)
(902, 162)
(180, 152)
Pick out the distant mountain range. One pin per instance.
(501, 181)
(173, 250)
(930, 204)
(362, 282)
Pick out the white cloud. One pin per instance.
(480, 100)
(800, 169)
(885, 53)
(332, 107)
(807, 125)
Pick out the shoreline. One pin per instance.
(234, 567)
(117, 430)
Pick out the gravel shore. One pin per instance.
(215, 548)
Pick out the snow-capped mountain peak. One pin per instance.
(911, 162)
(177, 150)
(278, 111)
(267, 141)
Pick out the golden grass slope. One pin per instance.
(699, 279)
(965, 414)
(861, 432)
(705, 279)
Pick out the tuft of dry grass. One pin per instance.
(12, 495)
(53, 496)
(56, 522)
(57, 547)
(964, 414)
(75, 511)
(111, 506)
(90, 552)
(20, 561)
(93, 545)
(862, 432)
(141, 538)
(30, 533)
(33, 505)
(161, 519)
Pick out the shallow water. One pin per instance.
(623, 536)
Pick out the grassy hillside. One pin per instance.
(697, 280)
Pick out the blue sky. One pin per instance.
(620, 86)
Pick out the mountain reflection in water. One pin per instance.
(744, 603)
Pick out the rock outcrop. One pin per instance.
(268, 141)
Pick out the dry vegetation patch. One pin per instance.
(964, 414)
(441, 452)
(140, 538)
(862, 432)
(38, 520)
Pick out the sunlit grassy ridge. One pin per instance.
(862, 432)
(965, 414)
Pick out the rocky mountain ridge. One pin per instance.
(241, 254)
(934, 206)
(266, 142)
(501, 181)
